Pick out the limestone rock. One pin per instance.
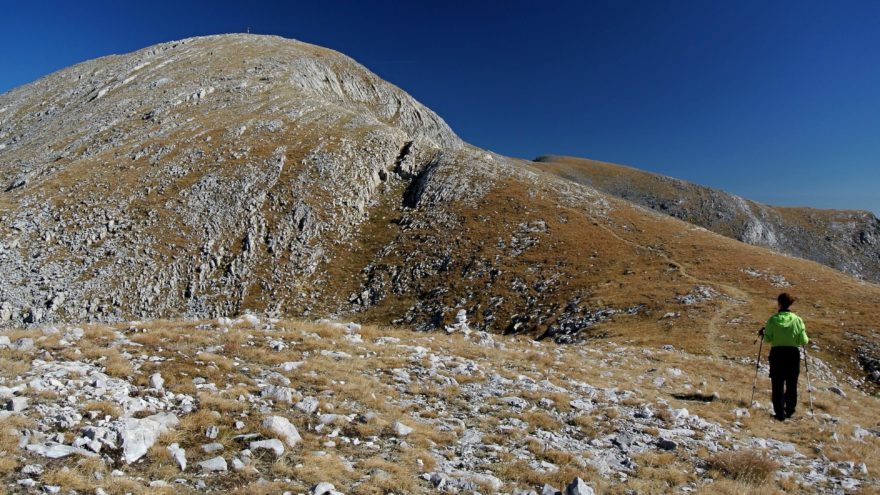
(401, 429)
(212, 432)
(308, 405)
(17, 404)
(157, 382)
(549, 490)
(324, 488)
(282, 427)
(461, 324)
(32, 469)
(57, 450)
(578, 487)
(178, 454)
(215, 464)
(212, 447)
(273, 444)
(136, 436)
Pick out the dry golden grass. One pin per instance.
(538, 419)
(869, 490)
(106, 408)
(261, 487)
(315, 469)
(9, 425)
(12, 364)
(9, 442)
(730, 487)
(116, 365)
(394, 476)
(70, 479)
(123, 486)
(745, 466)
(225, 404)
(518, 473)
(425, 436)
(660, 473)
(196, 424)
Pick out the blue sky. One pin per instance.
(775, 101)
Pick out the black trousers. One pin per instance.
(785, 366)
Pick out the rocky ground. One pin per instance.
(258, 405)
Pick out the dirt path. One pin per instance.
(730, 299)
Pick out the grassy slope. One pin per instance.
(630, 257)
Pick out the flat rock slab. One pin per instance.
(216, 464)
(58, 450)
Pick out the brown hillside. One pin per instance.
(846, 240)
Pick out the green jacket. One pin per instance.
(785, 329)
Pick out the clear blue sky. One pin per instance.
(775, 101)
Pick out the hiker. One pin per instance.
(785, 332)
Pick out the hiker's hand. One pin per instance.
(761, 332)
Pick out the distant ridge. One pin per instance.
(847, 240)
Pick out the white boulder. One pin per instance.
(578, 487)
(274, 445)
(178, 454)
(58, 450)
(157, 382)
(215, 464)
(401, 429)
(282, 427)
(137, 435)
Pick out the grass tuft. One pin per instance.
(745, 466)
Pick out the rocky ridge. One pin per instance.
(848, 241)
(273, 406)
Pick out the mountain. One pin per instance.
(174, 221)
(848, 241)
(220, 175)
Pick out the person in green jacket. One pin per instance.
(785, 332)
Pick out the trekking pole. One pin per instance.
(809, 385)
(757, 366)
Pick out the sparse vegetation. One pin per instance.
(746, 466)
(371, 387)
